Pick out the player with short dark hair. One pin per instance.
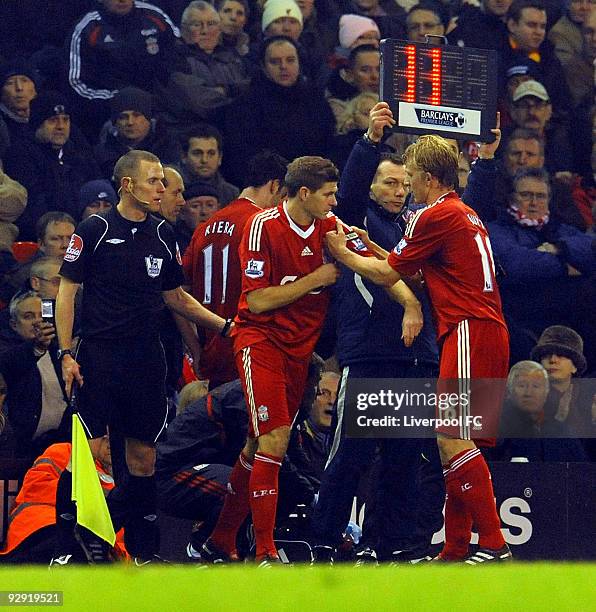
(280, 315)
(211, 264)
(130, 265)
(449, 243)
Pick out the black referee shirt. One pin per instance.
(124, 266)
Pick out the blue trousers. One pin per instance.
(393, 494)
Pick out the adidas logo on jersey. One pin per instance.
(306, 251)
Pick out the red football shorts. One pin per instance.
(474, 362)
(273, 384)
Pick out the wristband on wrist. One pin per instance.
(226, 328)
(62, 353)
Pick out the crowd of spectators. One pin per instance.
(207, 85)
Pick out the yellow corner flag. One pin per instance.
(92, 509)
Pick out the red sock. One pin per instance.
(458, 522)
(235, 508)
(475, 490)
(263, 501)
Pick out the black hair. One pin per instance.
(276, 39)
(354, 53)
(433, 6)
(201, 130)
(517, 6)
(265, 166)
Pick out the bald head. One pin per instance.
(172, 200)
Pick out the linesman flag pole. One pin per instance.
(87, 493)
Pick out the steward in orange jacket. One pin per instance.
(31, 520)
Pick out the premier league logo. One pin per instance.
(153, 265)
(152, 45)
(254, 268)
(400, 246)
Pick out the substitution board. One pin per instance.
(440, 88)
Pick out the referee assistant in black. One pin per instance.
(129, 263)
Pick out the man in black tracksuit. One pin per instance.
(377, 337)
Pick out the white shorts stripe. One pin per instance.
(249, 391)
(341, 399)
(463, 374)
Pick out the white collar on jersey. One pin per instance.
(302, 233)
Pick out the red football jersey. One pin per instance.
(212, 269)
(274, 251)
(449, 243)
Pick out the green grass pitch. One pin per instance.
(512, 587)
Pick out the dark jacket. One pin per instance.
(369, 321)
(515, 248)
(489, 189)
(339, 88)
(226, 192)
(549, 72)
(213, 429)
(308, 451)
(479, 30)
(292, 121)
(18, 365)
(53, 179)
(107, 52)
(158, 142)
(193, 90)
(545, 441)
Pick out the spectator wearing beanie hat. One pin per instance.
(201, 200)
(95, 197)
(560, 350)
(51, 105)
(357, 30)
(133, 127)
(354, 30)
(284, 18)
(17, 88)
(52, 166)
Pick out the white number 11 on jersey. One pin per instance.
(488, 264)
